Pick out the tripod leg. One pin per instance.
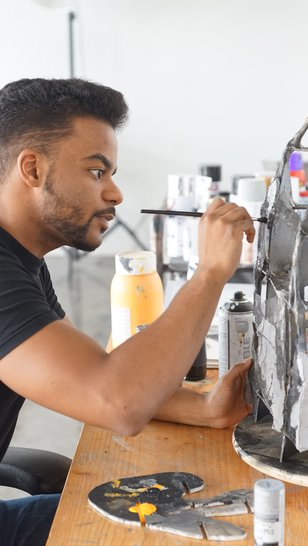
(118, 222)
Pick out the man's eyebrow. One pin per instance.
(103, 159)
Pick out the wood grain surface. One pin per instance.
(102, 456)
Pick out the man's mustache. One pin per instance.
(104, 212)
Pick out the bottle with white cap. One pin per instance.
(198, 368)
(180, 196)
(269, 511)
(251, 193)
(136, 294)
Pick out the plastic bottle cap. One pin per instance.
(267, 496)
(295, 161)
(142, 262)
(251, 189)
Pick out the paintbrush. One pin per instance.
(262, 219)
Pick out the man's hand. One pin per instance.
(222, 407)
(220, 235)
(226, 404)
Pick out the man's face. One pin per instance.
(79, 194)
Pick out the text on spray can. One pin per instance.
(235, 331)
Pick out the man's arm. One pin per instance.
(65, 370)
(224, 406)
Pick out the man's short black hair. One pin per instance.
(39, 112)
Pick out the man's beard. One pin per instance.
(66, 219)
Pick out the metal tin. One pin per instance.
(235, 331)
(269, 509)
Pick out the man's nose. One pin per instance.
(112, 194)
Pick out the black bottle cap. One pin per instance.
(224, 195)
(214, 171)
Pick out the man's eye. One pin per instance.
(98, 173)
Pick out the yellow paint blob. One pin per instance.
(143, 509)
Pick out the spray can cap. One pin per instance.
(238, 303)
(239, 296)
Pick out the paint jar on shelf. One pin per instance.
(297, 169)
(214, 172)
(251, 194)
(136, 294)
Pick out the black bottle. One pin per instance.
(198, 370)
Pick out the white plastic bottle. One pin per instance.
(137, 297)
(251, 194)
(269, 511)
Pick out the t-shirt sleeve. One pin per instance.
(50, 293)
(27, 303)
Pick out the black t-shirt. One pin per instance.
(27, 304)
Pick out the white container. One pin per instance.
(251, 194)
(269, 511)
(295, 188)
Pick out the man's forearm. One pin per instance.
(187, 407)
(224, 406)
(159, 357)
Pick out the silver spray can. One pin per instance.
(269, 511)
(235, 331)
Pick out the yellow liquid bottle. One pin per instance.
(137, 297)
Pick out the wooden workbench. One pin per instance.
(102, 456)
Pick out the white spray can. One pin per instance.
(269, 511)
(235, 331)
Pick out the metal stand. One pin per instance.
(73, 253)
(259, 445)
(71, 18)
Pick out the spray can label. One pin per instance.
(235, 332)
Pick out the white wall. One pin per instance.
(207, 81)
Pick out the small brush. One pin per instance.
(262, 219)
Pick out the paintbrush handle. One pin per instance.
(173, 212)
(192, 213)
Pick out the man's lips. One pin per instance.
(107, 217)
(107, 214)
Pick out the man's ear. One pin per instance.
(32, 167)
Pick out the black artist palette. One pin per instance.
(156, 501)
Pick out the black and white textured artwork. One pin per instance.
(279, 377)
